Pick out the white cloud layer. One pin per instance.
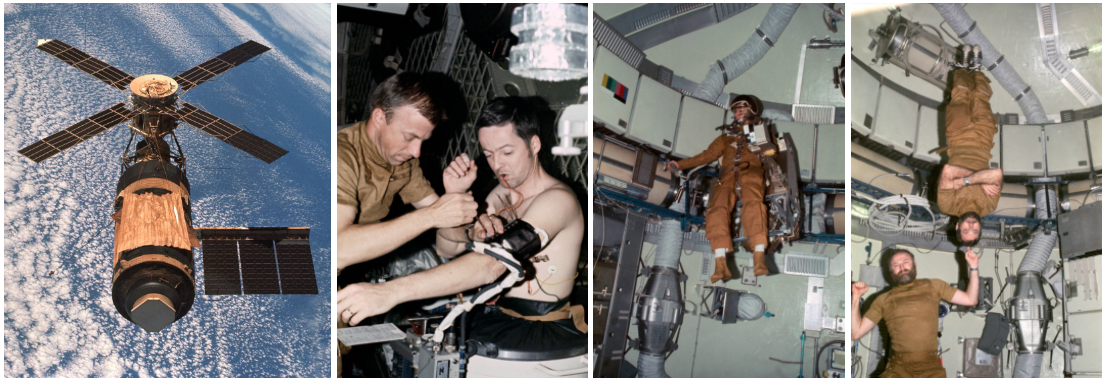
(59, 319)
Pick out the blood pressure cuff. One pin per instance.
(501, 336)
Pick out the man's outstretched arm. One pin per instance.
(859, 325)
(363, 242)
(467, 272)
(969, 297)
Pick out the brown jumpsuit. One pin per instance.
(970, 127)
(750, 177)
(911, 313)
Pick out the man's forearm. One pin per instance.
(469, 271)
(451, 241)
(364, 242)
(855, 319)
(971, 289)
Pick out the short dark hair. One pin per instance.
(516, 110)
(958, 234)
(404, 89)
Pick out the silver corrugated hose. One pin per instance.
(742, 59)
(667, 255)
(961, 22)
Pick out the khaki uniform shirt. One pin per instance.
(368, 183)
(911, 313)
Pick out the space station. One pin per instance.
(509, 304)
(975, 151)
(719, 190)
(153, 273)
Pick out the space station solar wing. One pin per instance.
(257, 260)
(231, 134)
(220, 64)
(88, 64)
(79, 132)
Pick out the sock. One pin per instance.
(760, 248)
(720, 252)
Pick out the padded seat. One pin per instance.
(500, 336)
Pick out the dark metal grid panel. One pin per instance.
(423, 50)
(259, 267)
(472, 70)
(296, 268)
(231, 134)
(221, 267)
(360, 62)
(88, 64)
(219, 64)
(79, 132)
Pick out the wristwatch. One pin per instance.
(972, 269)
(966, 179)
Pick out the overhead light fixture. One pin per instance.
(552, 42)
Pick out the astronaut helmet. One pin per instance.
(749, 101)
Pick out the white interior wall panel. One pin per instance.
(613, 113)
(804, 138)
(1022, 151)
(654, 117)
(897, 119)
(863, 98)
(831, 155)
(697, 126)
(928, 135)
(1094, 141)
(1066, 148)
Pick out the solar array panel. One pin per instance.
(231, 134)
(259, 267)
(79, 132)
(297, 270)
(221, 267)
(88, 64)
(264, 260)
(220, 64)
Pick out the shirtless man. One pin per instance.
(968, 188)
(508, 132)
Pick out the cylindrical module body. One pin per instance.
(153, 281)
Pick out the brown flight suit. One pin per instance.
(970, 127)
(911, 313)
(750, 177)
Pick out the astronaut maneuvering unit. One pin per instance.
(153, 276)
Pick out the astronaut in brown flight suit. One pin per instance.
(739, 166)
(910, 311)
(968, 188)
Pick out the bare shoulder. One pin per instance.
(558, 196)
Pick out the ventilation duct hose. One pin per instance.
(1028, 365)
(1029, 308)
(1002, 71)
(742, 59)
(1046, 207)
(660, 307)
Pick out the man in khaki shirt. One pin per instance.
(968, 187)
(378, 159)
(508, 132)
(911, 313)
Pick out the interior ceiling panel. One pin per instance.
(774, 77)
(1013, 29)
